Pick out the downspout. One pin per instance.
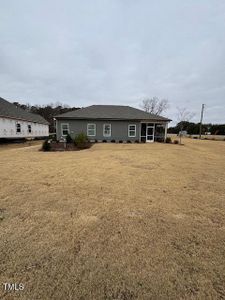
(165, 136)
(56, 131)
(140, 132)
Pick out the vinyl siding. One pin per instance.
(119, 129)
(8, 129)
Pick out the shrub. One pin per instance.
(120, 142)
(81, 140)
(168, 140)
(113, 141)
(96, 141)
(176, 142)
(46, 146)
(136, 141)
(52, 136)
(129, 142)
(69, 139)
(104, 141)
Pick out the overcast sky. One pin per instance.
(115, 52)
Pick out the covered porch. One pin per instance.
(153, 132)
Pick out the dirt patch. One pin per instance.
(58, 146)
(18, 145)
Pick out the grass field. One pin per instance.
(117, 221)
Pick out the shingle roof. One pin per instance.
(10, 110)
(115, 112)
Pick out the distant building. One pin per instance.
(17, 123)
(183, 133)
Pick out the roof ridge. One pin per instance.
(101, 111)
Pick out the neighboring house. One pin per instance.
(16, 123)
(183, 133)
(112, 123)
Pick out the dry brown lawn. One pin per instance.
(22, 144)
(117, 221)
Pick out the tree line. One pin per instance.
(151, 105)
(48, 112)
(158, 106)
(193, 128)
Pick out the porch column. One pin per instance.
(165, 136)
(55, 127)
(139, 132)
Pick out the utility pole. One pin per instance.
(202, 113)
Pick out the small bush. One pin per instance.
(52, 136)
(120, 142)
(96, 141)
(159, 139)
(176, 142)
(69, 139)
(129, 142)
(104, 141)
(113, 141)
(168, 140)
(46, 146)
(81, 140)
(136, 141)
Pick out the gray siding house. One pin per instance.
(112, 123)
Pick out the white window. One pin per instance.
(91, 129)
(18, 127)
(132, 130)
(107, 130)
(65, 129)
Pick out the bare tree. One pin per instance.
(154, 105)
(183, 115)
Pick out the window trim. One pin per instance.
(68, 127)
(132, 136)
(91, 129)
(110, 134)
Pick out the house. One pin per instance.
(112, 123)
(183, 133)
(16, 123)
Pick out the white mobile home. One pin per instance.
(17, 123)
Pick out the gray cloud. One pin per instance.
(103, 51)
